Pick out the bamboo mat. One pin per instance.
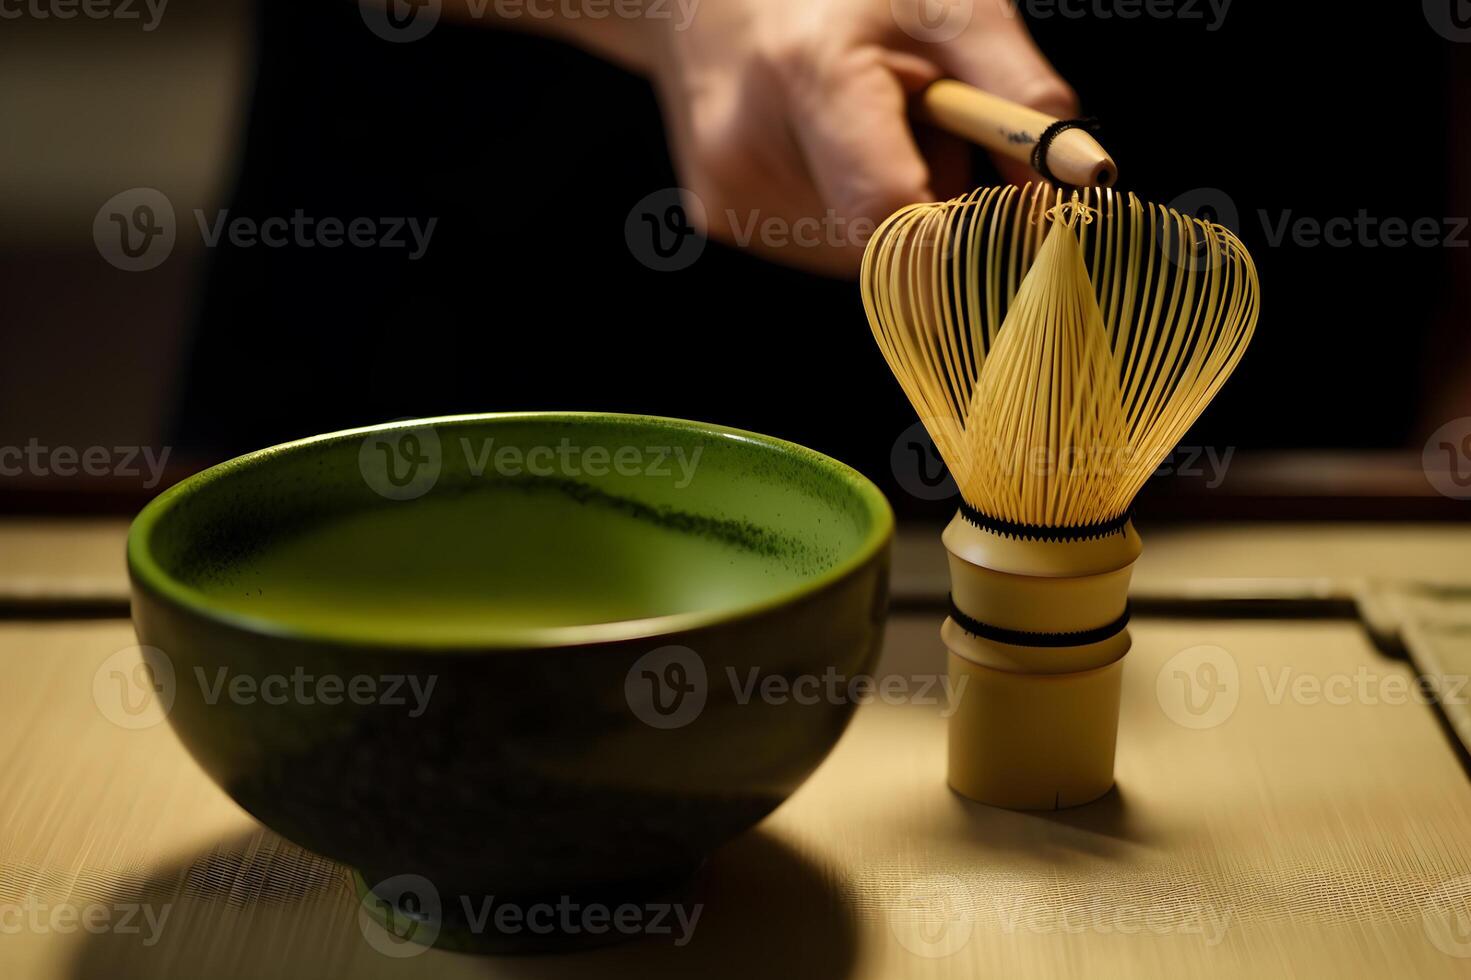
(1283, 808)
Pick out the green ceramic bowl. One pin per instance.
(520, 655)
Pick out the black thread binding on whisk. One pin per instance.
(1044, 143)
(1038, 532)
(1022, 638)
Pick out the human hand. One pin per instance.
(788, 118)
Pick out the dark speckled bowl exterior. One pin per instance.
(527, 773)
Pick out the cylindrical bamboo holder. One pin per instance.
(1037, 639)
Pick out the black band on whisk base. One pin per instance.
(1038, 532)
(1044, 143)
(1022, 638)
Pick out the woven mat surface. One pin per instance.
(1285, 806)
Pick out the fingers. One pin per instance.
(851, 121)
(912, 71)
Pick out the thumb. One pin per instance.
(997, 54)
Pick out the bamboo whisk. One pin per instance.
(1057, 344)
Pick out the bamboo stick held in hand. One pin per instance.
(1074, 156)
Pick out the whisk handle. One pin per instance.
(1073, 156)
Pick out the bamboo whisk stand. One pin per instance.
(1037, 637)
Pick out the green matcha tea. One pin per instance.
(462, 565)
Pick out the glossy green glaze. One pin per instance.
(507, 573)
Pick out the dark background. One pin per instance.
(531, 155)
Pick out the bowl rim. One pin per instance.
(146, 573)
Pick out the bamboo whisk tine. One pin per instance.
(1057, 347)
